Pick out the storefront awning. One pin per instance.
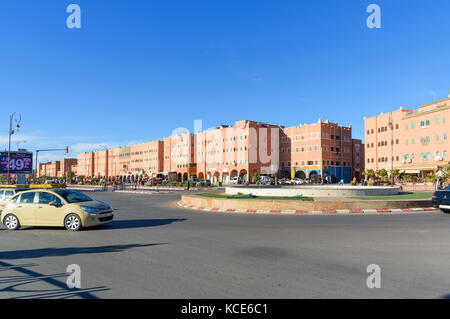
(411, 171)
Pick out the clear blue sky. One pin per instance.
(139, 69)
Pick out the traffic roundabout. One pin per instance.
(215, 202)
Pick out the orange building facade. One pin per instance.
(58, 168)
(322, 150)
(413, 141)
(227, 152)
(237, 151)
(135, 160)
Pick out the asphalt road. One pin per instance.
(153, 249)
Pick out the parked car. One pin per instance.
(284, 181)
(382, 183)
(441, 200)
(7, 193)
(193, 180)
(234, 180)
(297, 181)
(56, 207)
(267, 180)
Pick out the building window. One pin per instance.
(406, 126)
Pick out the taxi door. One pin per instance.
(46, 214)
(25, 208)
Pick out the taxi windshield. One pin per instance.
(72, 196)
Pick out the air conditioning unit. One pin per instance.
(409, 160)
(438, 158)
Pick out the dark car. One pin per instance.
(441, 200)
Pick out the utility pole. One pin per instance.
(11, 132)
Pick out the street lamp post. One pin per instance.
(11, 132)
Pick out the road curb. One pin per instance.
(156, 191)
(303, 212)
(145, 192)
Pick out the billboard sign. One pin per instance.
(20, 163)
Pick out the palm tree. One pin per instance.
(70, 176)
(370, 173)
(381, 173)
(395, 173)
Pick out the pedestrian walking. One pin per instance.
(438, 184)
(188, 185)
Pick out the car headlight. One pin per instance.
(89, 209)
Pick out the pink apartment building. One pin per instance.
(414, 141)
(49, 169)
(179, 156)
(227, 152)
(57, 168)
(135, 160)
(320, 150)
(237, 151)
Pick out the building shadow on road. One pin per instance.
(52, 252)
(23, 283)
(138, 223)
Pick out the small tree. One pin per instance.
(382, 173)
(370, 173)
(431, 178)
(395, 174)
(256, 177)
(70, 176)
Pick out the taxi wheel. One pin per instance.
(11, 222)
(72, 222)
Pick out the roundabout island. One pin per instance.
(308, 199)
(314, 190)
